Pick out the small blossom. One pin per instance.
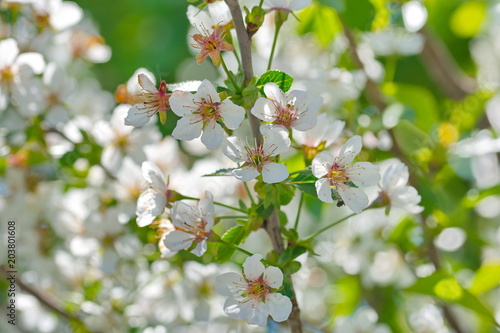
(149, 102)
(251, 296)
(319, 137)
(211, 45)
(151, 203)
(335, 176)
(204, 111)
(259, 158)
(192, 225)
(286, 5)
(395, 191)
(297, 110)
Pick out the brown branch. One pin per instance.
(271, 224)
(245, 43)
(376, 98)
(44, 299)
(443, 68)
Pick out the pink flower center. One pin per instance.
(286, 116)
(208, 110)
(257, 157)
(337, 175)
(157, 101)
(258, 289)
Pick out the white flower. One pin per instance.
(335, 175)
(395, 190)
(297, 110)
(251, 297)
(16, 75)
(192, 225)
(59, 14)
(320, 137)
(258, 159)
(215, 14)
(395, 41)
(203, 111)
(150, 102)
(151, 202)
(286, 5)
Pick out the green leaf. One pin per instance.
(445, 287)
(291, 267)
(410, 138)
(359, 14)
(320, 21)
(487, 277)
(234, 236)
(282, 79)
(305, 181)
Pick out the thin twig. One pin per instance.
(44, 299)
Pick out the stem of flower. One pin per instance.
(228, 73)
(248, 192)
(279, 23)
(235, 247)
(299, 210)
(329, 226)
(216, 203)
(232, 217)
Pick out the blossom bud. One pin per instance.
(254, 19)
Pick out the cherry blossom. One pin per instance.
(297, 110)
(395, 191)
(252, 296)
(203, 112)
(152, 201)
(259, 158)
(335, 176)
(150, 102)
(211, 44)
(192, 225)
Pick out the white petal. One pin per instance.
(207, 91)
(206, 205)
(273, 276)
(323, 190)
(354, 198)
(280, 306)
(153, 175)
(274, 93)
(396, 175)
(177, 240)
(236, 310)
(146, 83)
(274, 173)
(150, 205)
(246, 173)
(200, 248)
(33, 60)
(264, 109)
(234, 149)
(187, 129)
(182, 103)
(322, 163)
(363, 174)
(253, 267)
(212, 135)
(111, 158)
(136, 118)
(276, 139)
(230, 284)
(351, 148)
(183, 215)
(68, 14)
(232, 114)
(258, 314)
(8, 52)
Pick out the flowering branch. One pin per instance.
(271, 224)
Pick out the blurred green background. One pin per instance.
(141, 33)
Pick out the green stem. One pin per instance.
(216, 203)
(330, 226)
(299, 211)
(261, 3)
(228, 73)
(232, 217)
(236, 247)
(248, 192)
(390, 71)
(273, 49)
